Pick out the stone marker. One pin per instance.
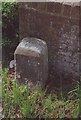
(31, 61)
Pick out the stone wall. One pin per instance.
(58, 25)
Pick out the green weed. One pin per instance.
(19, 101)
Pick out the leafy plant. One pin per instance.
(10, 30)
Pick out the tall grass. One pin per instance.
(20, 101)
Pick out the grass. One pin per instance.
(20, 101)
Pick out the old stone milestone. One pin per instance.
(58, 25)
(31, 61)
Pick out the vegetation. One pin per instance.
(10, 30)
(20, 101)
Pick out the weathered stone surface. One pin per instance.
(31, 61)
(59, 28)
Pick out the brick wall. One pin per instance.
(58, 25)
